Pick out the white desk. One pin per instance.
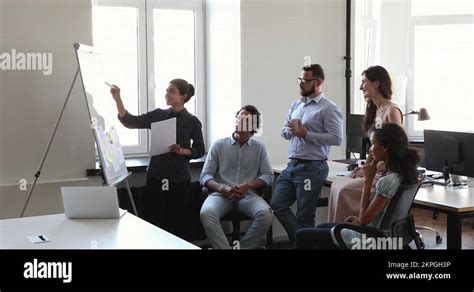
(129, 232)
(334, 169)
(456, 203)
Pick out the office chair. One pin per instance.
(236, 217)
(397, 221)
(438, 237)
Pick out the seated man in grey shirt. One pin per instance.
(235, 167)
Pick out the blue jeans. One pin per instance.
(252, 205)
(300, 182)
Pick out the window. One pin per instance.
(144, 45)
(427, 45)
(441, 64)
(367, 14)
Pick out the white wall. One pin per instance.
(31, 101)
(223, 60)
(276, 36)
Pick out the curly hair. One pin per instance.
(401, 158)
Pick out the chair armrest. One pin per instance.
(205, 192)
(369, 231)
(266, 193)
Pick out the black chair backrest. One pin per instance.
(405, 229)
(399, 206)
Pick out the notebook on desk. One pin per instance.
(91, 203)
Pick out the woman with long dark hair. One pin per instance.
(377, 90)
(390, 145)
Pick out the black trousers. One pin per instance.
(165, 205)
(315, 238)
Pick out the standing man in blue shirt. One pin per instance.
(312, 125)
(235, 167)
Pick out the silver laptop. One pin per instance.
(91, 203)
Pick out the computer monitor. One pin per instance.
(453, 150)
(356, 140)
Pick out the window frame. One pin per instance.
(368, 23)
(199, 52)
(424, 20)
(356, 105)
(146, 60)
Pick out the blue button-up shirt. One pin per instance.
(228, 163)
(323, 120)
